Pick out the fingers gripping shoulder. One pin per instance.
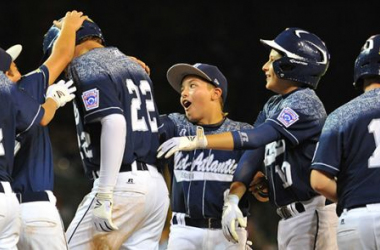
(61, 92)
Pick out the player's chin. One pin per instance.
(191, 117)
(269, 85)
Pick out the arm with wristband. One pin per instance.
(244, 139)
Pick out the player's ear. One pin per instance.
(217, 93)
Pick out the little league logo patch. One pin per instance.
(288, 117)
(91, 99)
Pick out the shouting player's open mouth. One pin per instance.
(186, 104)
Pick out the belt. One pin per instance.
(140, 166)
(32, 196)
(210, 223)
(290, 210)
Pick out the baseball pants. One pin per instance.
(315, 228)
(41, 224)
(359, 228)
(183, 237)
(141, 202)
(10, 220)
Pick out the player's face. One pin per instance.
(13, 74)
(274, 83)
(196, 96)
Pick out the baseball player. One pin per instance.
(117, 125)
(33, 166)
(288, 127)
(345, 168)
(19, 113)
(200, 177)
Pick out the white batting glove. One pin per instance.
(185, 143)
(61, 92)
(232, 217)
(102, 213)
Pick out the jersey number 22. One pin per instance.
(140, 123)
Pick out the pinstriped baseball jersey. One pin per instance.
(349, 149)
(33, 166)
(108, 82)
(200, 177)
(299, 117)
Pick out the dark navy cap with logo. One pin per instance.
(6, 57)
(208, 72)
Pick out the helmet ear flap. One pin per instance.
(282, 67)
(286, 66)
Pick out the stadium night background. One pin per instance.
(223, 33)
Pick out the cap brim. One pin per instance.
(14, 51)
(177, 72)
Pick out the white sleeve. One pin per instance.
(112, 141)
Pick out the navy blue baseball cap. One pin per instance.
(209, 73)
(6, 57)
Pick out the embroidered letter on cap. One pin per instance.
(287, 117)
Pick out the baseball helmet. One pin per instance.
(48, 42)
(368, 61)
(88, 29)
(305, 57)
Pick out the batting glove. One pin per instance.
(232, 217)
(102, 213)
(61, 92)
(185, 143)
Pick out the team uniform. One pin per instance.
(34, 177)
(19, 113)
(347, 151)
(298, 118)
(108, 82)
(200, 179)
(288, 127)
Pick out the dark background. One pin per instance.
(224, 33)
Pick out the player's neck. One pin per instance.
(371, 86)
(86, 47)
(214, 118)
